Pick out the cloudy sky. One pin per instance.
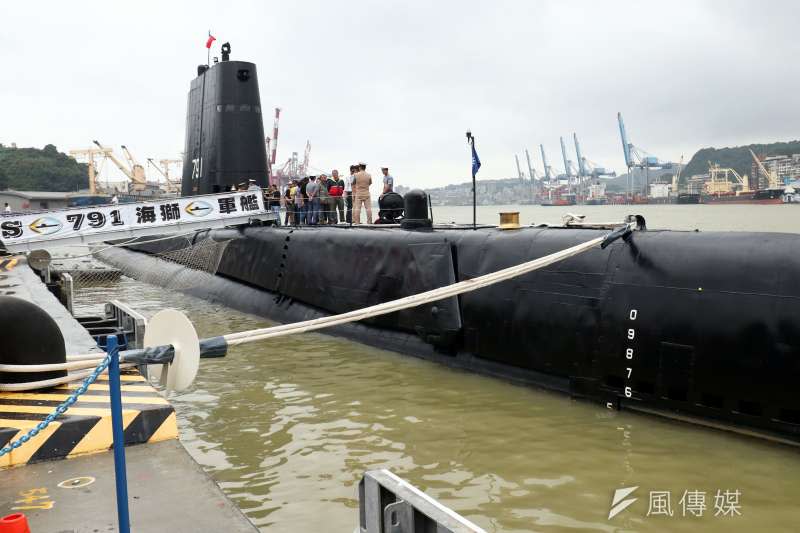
(399, 82)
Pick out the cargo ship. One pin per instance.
(558, 198)
(760, 196)
(701, 327)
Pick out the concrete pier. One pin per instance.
(168, 490)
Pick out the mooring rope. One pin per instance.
(47, 383)
(255, 335)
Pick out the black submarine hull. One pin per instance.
(699, 325)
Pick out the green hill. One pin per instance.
(46, 169)
(737, 158)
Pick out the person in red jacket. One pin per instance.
(336, 191)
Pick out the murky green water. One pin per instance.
(287, 428)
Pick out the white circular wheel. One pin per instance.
(171, 327)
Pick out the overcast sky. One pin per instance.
(398, 82)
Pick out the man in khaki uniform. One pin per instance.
(361, 192)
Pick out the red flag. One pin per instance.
(210, 40)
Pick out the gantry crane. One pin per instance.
(569, 167)
(549, 175)
(531, 171)
(588, 168)
(520, 175)
(589, 171)
(636, 157)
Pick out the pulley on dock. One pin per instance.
(169, 327)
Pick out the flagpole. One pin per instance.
(208, 51)
(471, 144)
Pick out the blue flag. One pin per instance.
(476, 162)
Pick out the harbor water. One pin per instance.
(713, 217)
(288, 426)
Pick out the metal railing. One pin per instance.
(389, 504)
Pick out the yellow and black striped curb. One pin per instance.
(8, 264)
(86, 426)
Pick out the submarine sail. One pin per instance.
(224, 129)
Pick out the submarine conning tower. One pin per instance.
(224, 128)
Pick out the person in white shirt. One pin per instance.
(388, 181)
(114, 200)
(7, 208)
(348, 193)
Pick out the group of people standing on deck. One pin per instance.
(316, 200)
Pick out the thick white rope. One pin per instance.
(53, 367)
(46, 383)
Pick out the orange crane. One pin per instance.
(135, 173)
(135, 168)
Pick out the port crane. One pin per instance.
(569, 167)
(163, 168)
(134, 167)
(531, 174)
(520, 175)
(135, 173)
(549, 175)
(589, 171)
(531, 171)
(272, 146)
(771, 177)
(636, 157)
(587, 167)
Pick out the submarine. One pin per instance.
(702, 327)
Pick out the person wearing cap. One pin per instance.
(388, 181)
(362, 181)
(348, 193)
(252, 185)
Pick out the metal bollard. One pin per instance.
(115, 388)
